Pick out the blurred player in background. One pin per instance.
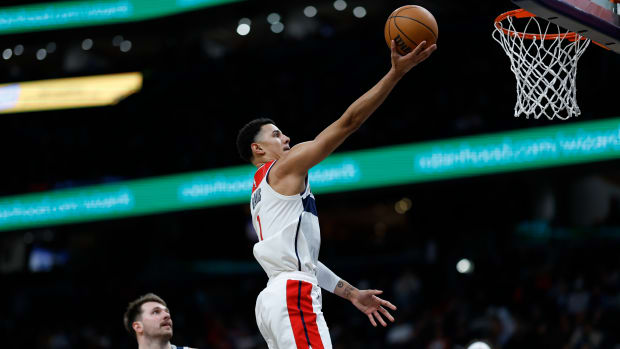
(289, 310)
(148, 319)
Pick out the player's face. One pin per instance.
(156, 321)
(273, 141)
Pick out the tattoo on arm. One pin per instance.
(344, 289)
(348, 290)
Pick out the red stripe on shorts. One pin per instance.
(302, 316)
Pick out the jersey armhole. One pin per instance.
(269, 170)
(306, 183)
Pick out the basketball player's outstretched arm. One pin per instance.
(291, 170)
(302, 157)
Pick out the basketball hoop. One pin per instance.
(544, 64)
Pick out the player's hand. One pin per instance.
(402, 64)
(371, 305)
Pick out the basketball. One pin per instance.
(408, 26)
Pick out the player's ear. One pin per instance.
(137, 326)
(257, 149)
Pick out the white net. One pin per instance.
(544, 64)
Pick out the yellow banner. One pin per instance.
(87, 91)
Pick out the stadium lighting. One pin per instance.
(402, 206)
(465, 266)
(359, 12)
(116, 41)
(87, 44)
(125, 46)
(478, 345)
(18, 50)
(340, 5)
(244, 26)
(51, 47)
(243, 29)
(273, 18)
(277, 27)
(310, 11)
(41, 54)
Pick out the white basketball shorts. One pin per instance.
(288, 313)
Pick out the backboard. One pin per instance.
(595, 19)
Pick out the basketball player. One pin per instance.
(288, 311)
(149, 320)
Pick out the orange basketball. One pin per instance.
(408, 26)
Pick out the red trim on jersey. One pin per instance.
(260, 174)
(260, 227)
(301, 314)
(310, 317)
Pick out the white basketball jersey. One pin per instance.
(287, 226)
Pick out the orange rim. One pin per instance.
(521, 13)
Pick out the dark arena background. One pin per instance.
(517, 251)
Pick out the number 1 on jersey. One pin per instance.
(260, 228)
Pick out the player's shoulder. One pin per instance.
(295, 161)
(288, 163)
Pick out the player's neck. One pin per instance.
(154, 343)
(262, 162)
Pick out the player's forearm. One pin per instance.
(327, 279)
(363, 107)
(345, 290)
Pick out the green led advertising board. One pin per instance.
(72, 14)
(429, 161)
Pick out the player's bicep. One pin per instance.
(304, 156)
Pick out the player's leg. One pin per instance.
(320, 319)
(305, 325)
(262, 320)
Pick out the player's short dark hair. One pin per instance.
(134, 310)
(247, 136)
